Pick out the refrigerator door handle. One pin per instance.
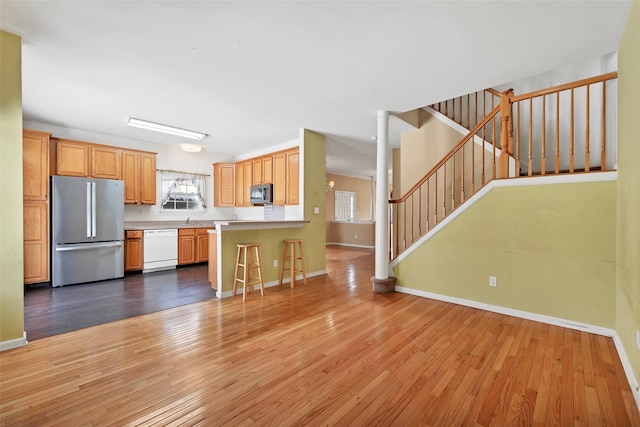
(93, 209)
(84, 246)
(88, 209)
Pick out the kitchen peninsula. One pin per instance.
(227, 234)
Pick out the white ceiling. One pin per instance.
(252, 74)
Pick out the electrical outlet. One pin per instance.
(275, 262)
(493, 281)
(316, 210)
(356, 237)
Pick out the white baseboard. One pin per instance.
(556, 321)
(14, 343)
(351, 245)
(271, 284)
(626, 364)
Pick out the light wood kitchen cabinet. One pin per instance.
(35, 164)
(248, 182)
(202, 245)
(72, 158)
(133, 250)
(193, 245)
(240, 196)
(267, 170)
(293, 177)
(262, 170)
(139, 175)
(36, 242)
(147, 178)
(224, 184)
(106, 163)
(186, 246)
(279, 178)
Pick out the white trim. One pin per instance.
(498, 183)
(556, 321)
(271, 284)
(14, 343)
(350, 245)
(258, 225)
(628, 370)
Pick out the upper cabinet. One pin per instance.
(136, 168)
(282, 169)
(224, 184)
(35, 165)
(139, 176)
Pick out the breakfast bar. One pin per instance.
(227, 234)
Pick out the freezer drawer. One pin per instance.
(87, 262)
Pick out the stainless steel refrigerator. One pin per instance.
(87, 230)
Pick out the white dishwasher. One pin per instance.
(160, 250)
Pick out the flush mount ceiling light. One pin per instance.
(191, 148)
(143, 124)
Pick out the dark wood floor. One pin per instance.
(327, 353)
(51, 311)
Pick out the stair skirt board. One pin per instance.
(496, 183)
(583, 327)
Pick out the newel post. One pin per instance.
(506, 132)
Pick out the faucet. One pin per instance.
(187, 221)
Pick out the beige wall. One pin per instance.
(422, 148)
(551, 247)
(312, 234)
(11, 261)
(351, 233)
(628, 231)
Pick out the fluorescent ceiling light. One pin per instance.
(191, 148)
(143, 124)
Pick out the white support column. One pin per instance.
(381, 281)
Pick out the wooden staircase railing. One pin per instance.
(558, 120)
(468, 110)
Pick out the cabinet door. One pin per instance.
(36, 241)
(224, 184)
(248, 181)
(267, 170)
(257, 171)
(105, 163)
(72, 159)
(147, 179)
(202, 242)
(292, 177)
(240, 196)
(186, 246)
(133, 251)
(131, 177)
(35, 165)
(279, 178)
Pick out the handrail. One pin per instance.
(452, 152)
(553, 131)
(566, 86)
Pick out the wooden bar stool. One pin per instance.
(289, 255)
(249, 266)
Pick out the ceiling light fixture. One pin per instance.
(143, 124)
(191, 148)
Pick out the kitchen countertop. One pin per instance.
(227, 224)
(163, 225)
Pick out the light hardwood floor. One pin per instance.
(327, 353)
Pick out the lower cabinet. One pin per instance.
(193, 245)
(133, 250)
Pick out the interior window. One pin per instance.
(182, 192)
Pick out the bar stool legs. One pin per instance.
(249, 266)
(289, 255)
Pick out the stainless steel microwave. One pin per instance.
(261, 194)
